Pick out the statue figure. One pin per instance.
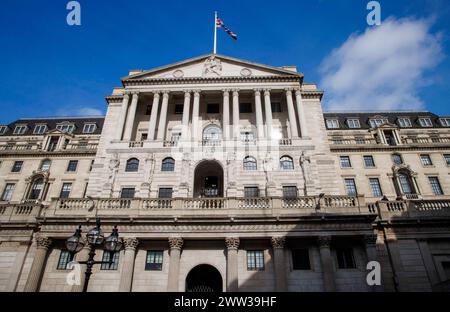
(305, 162)
(113, 169)
(212, 66)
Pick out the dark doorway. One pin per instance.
(204, 278)
(208, 179)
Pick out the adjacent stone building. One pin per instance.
(226, 175)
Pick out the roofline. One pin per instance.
(376, 112)
(62, 117)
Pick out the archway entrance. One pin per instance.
(208, 179)
(204, 278)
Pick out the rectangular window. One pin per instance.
(276, 107)
(154, 260)
(40, 129)
(165, 192)
(332, 124)
(65, 190)
(65, 257)
(111, 264)
(289, 192)
(255, 260)
(345, 258)
(445, 122)
(3, 130)
(436, 185)
(68, 128)
(127, 192)
(8, 191)
(426, 160)
(89, 128)
(345, 162)
(72, 166)
(404, 122)
(369, 161)
(377, 122)
(179, 109)
(245, 108)
(148, 109)
(353, 123)
(300, 259)
(425, 122)
(17, 167)
(447, 159)
(213, 109)
(376, 187)
(350, 187)
(251, 191)
(20, 129)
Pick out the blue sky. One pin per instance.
(52, 69)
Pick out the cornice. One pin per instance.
(40, 153)
(337, 148)
(114, 99)
(312, 95)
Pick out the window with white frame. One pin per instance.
(353, 123)
(89, 128)
(350, 187)
(3, 129)
(255, 260)
(425, 122)
(8, 191)
(445, 122)
(376, 122)
(332, 124)
(345, 162)
(65, 257)
(20, 129)
(65, 190)
(45, 165)
(404, 122)
(40, 129)
(369, 162)
(447, 159)
(67, 128)
(426, 160)
(376, 187)
(436, 185)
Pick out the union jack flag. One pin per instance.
(220, 24)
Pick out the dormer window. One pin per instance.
(425, 122)
(66, 128)
(445, 122)
(332, 124)
(376, 122)
(89, 128)
(40, 129)
(3, 129)
(20, 129)
(404, 122)
(353, 123)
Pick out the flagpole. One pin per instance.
(215, 32)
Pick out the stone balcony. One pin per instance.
(414, 209)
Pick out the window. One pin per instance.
(3, 130)
(20, 129)
(425, 122)
(45, 165)
(345, 162)
(132, 165)
(111, 264)
(376, 122)
(212, 109)
(404, 122)
(168, 164)
(332, 124)
(154, 260)
(405, 184)
(286, 163)
(179, 109)
(65, 257)
(247, 136)
(447, 159)
(255, 260)
(350, 186)
(212, 133)
(17, 167)
(40, 129)
(8, 191)
(397, 159)
(36, 189)
(65, 190)
(436, 185)
(89, 128)
(276, 107)
(353, 123)
(345, 258)
(165, 192)
(289, 192)
(445, 122)
(250, 163)
(300, 259)
(127, 192)
(369, 161)
(67, 128)
(376, 187)
(245, 108)
(148, 109)
(72, 166)
(251, 191)
(426, 160)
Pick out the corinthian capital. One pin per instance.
(232, 242)
(176, 242)
(43, 241)
(278, 241)
(130, 243)
(324, 241)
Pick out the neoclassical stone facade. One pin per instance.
(226, 175)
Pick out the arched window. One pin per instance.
(132, 165)
(168, 164)
(397, 159)
(212, 133)
(36, 189)
(286, 163)
(406, 184)
(250, 163)
(45, 165)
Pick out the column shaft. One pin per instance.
(232, 244)
(268, 111)
(226, 115)
(126, 277)
(329, 282)
(259, 115)
(186, 112)
(291, 113)
(301, 113)
(153, 117)
(236, 114)
(122, 116)
(130, 118)
(279, 263)
(163, 117)
(38, 266)
(176, 243)
(195, 115)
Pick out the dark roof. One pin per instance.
(52, 122)
(391, 116)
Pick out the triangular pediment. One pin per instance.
(213, 66)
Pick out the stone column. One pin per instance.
(279, 263)
(370, 242)
(268, 111)
(232, 244)
(130, 118)
(236, 127)
(175, 243)
(329, 282)
(126, 277)
(301, 113)
(83, 255)
(153, 116)
(37, 268)
(186, 111)
(196, 115)
(122, 116)
(163, 117)
(291, 113)
(226, 115)
(259, 116)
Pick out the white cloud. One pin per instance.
(382, 68)
(89, 111)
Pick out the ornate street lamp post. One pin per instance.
(94, 238)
